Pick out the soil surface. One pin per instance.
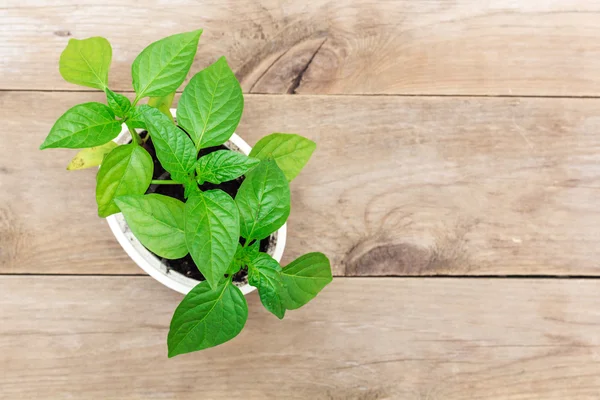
(186, 265)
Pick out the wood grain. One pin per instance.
(398, 186)
(359, 339)
(327, 46)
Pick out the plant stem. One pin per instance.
(135, 137)
(164, 182)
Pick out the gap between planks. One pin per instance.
(426, 95)
(474, 277)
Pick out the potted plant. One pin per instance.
(188, 199)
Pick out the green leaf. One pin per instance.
(264, 273)
(263, 200)
(251, 252)
(222, 166)
(207, 317)
(135, 117)
(91, 157)
(162, 66)
(290, 151)
(211, 105)
(174, 149)
(85, 125)
(125, 170)
(190, 187)
(243, 256)
(157, 221)
(86, 62)
(117, 102)
(236, 263)
(304, 278)
(163, 103)
(212, 231)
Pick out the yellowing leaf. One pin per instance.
(90, 157)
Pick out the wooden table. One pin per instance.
(456, 188)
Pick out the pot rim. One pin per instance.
(152, 264)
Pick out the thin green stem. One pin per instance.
(164, 182)
(135, 137)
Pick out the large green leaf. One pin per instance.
(211, 105)
(85, 125)
(125, 170)
(304, 278)
(290, 151)
(86, 62)
(117, 102)
(163, 103)
(264, 273)
(162, 66)
(207, 317)
(91, 157)
(222, 166)
(174, 149)
(263, 200)
(212, 231)
(157, 221)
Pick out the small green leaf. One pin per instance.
(85, 125)
(207, 317)
(263, 200)
(117, 102)
(135, 117)
(174, 149)
(212, 231)
(291, 151)
(264, 274)
(222, 166)
(157, 221)
(91, 157)
(86, 62)
(162, 66)
(163, 103)
(211, 105)
(236, 263)
(125, 170)
(251, 251)
(243, 256)
(190, 187)
(304, 278)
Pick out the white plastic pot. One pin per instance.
(152, 264)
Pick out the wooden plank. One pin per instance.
(398, 186)
(328, 46)
(386, 338)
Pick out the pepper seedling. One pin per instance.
(209, 224)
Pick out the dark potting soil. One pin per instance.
(186, 265)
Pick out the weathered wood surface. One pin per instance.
(503, 47)
(398, 186)
(387, 338)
